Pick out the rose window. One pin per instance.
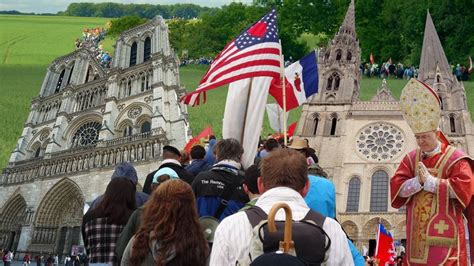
(380, 142)
(87, 134)
(134, 112)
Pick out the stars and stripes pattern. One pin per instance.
(254, 53)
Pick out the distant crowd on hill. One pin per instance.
(198, 61)
(91, 39)
(401, 71)
(388, 70)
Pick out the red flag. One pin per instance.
(204, 134)
(385, 250)
(372, 60)
(254, 53)
(291, 129)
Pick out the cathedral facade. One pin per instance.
(361, 143)
(85, 120)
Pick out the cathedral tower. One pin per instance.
(436, 71)
(338, 65)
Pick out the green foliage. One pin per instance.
(314, 41)
(389, 29)
(122, 24)
(395, 28)
(115, 10)
(208, 35)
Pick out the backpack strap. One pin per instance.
(315, 217)
(255, 215)
(226, 194)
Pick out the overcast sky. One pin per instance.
(53, 6)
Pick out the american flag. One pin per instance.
(254, 53)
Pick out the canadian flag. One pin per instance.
(301, 81)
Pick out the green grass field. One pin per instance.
(28, 44)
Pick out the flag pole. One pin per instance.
(246, 112)
(283, 81)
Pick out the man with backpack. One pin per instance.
(219, 191)
(317, 239)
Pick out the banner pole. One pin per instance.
(246, 112)
(282, 76)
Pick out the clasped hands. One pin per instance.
(425, 179)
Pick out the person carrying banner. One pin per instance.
(434, 181)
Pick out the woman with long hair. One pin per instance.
(169, 233)
(102, 226)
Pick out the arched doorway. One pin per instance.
(11, 220)
(351, 230)
(58, 219)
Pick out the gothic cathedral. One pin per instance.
(85, 120)
(360, 143)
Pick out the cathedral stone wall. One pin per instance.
(85, 120)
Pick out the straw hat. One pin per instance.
(298, 144)
(421, 107)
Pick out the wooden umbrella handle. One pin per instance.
(287, 242)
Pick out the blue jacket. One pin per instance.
(321, 197)
(210, 158)
(197, 166)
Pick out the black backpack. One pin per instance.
(311, 242)
(209, 223)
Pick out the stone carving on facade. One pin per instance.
(383, 94)
(44, 135)
(148, 99)
(134, 112)
(112, 78)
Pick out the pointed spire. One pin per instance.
(349, 20)
(433, 58)
(384, 94)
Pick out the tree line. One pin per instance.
(387, 29)
(115, 10)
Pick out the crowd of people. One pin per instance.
(164, 224)
(40, 259)
(462, 72)
(92, 40)
(199, 61)
(201, 208)
(401, 71)
(388, 70)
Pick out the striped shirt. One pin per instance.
(233, 235)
